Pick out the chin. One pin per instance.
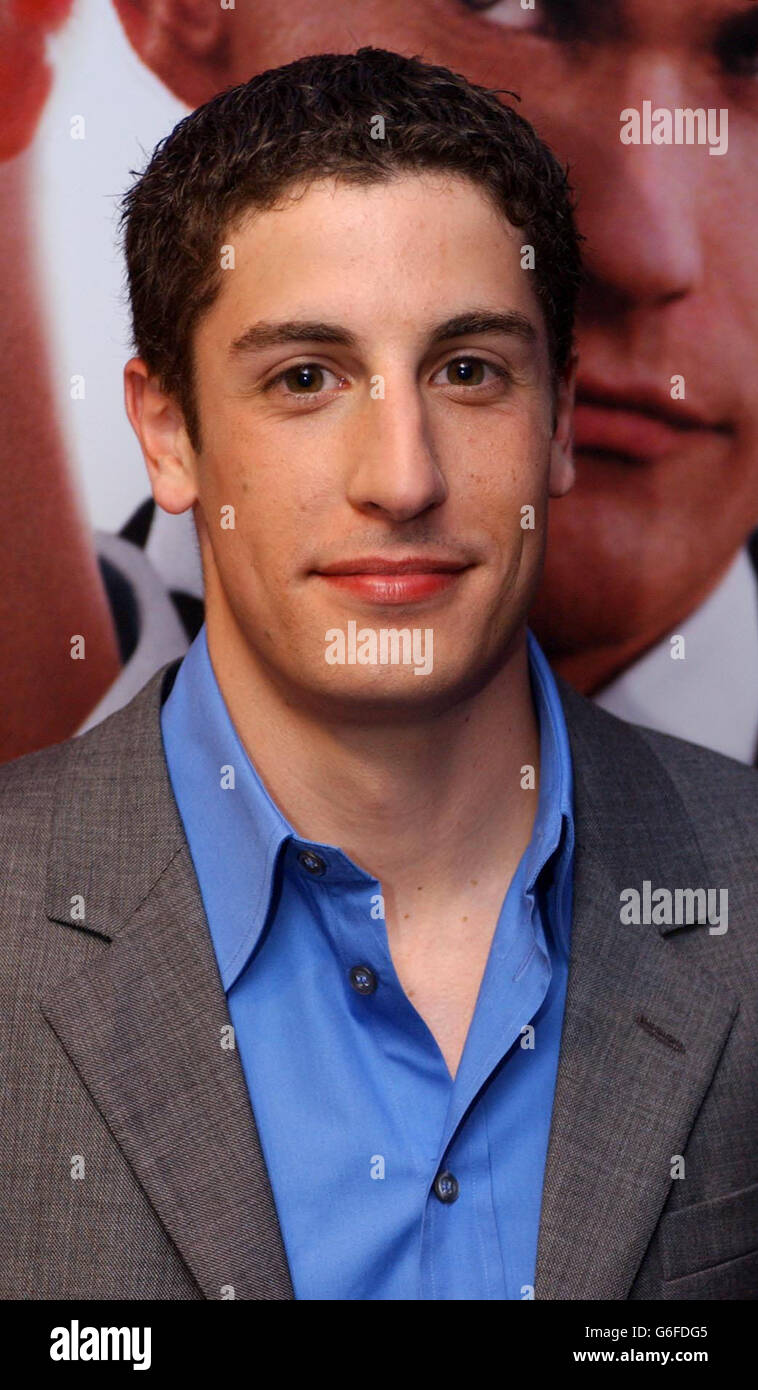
(400, 698)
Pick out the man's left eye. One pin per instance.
(470, 371)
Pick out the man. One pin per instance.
(327, 976)
(653, 541)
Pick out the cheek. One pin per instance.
(280, 464)
(508, 468)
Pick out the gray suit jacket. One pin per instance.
(131, 1166)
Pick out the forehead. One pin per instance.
(337, 206)
(406, 239)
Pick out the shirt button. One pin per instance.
(363, 979)
(312, 862)
(446, 1187)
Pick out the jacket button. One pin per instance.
(312, 862)
(446, 1187)
(363, 979)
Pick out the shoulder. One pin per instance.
(691, 765)
(120, 741)
(641, 776)
(26, 785)
(658, 812)
(92, 816)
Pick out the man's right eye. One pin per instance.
(304, 379)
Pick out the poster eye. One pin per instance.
(509, 13)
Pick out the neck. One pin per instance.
(437, 801)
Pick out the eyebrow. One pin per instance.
(474, 321)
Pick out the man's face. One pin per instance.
(659, 507)
(395, 444)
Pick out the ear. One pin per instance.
(562, 469)
(186, 43)
(159, 426)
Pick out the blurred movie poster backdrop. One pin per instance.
(650, 596)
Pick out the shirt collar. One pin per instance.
(235, 831)
(554, 821)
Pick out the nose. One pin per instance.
(393, 468)
(639, 206)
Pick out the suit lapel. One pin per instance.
(643, 1026)
(145, 1023)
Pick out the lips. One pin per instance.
(641, 425)
(379, 564)
(382, 581)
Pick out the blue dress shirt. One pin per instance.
(391, 1179)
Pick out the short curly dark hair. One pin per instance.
(310, 119)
